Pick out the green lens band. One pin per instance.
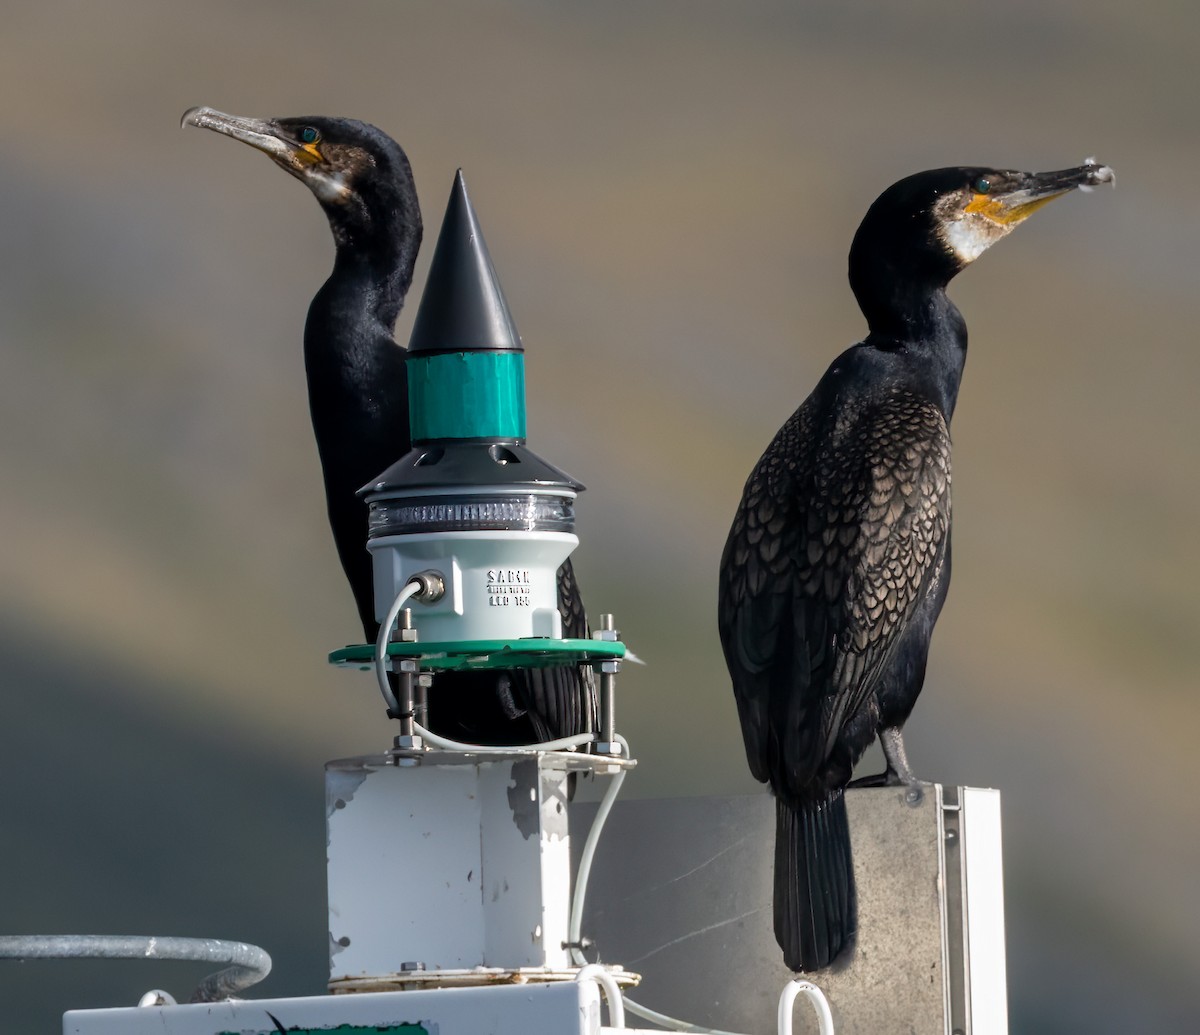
(467, 395)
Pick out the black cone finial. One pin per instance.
(463, 308)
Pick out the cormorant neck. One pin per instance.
(354, 313)
(901, 296)
(932, 331)
(379, 275)
(915, 316)
(377, 230)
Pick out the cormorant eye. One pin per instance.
(309, 135)
(982, 185)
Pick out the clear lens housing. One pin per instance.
(524, 513)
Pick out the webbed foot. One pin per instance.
(898, 772)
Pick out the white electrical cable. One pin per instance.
(411, 588)
(815, 996)
(583, 874)
(445, 744)
(671, 1023)
(616, 1005)
(589, 971)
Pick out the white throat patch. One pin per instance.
(328, 186)
(969, 236)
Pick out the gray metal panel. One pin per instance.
(525, 865)
(403, 881)
(452, 866)
(681, 893)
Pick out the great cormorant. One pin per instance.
(838, 560)
(358, 397)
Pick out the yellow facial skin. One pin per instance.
(1007, 211)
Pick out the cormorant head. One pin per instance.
(925, 228)
(358, 173)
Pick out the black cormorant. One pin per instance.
(358, 397)
(838, 560)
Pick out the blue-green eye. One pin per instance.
(982, 185)
(309, 135)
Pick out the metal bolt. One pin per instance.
(421, 698)
(607, 630)
(405, 632)
(608, 700)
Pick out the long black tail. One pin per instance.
(815, 902)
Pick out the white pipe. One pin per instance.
(787, 1001)
(616, 1005)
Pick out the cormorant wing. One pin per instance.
(841, 530)
(902, 507)
(570, 603)
(560, 701)
(774, 645)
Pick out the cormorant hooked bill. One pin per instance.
(838, 560)
(358, 398)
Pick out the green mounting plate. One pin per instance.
(454, 655)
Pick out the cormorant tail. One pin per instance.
(815, 904)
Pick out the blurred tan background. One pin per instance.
(669, 191)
